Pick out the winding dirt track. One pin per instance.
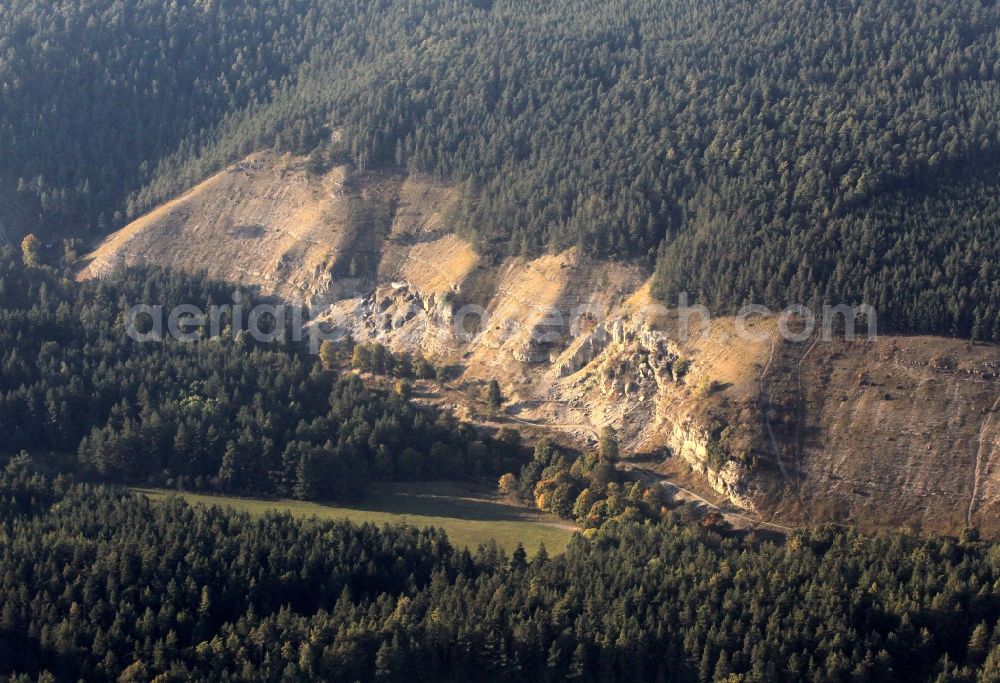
(561, 427)
(800, 415)
(977, 476)
(765, 400)
(649, 477)
(735, 518)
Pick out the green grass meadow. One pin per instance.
(469, 514)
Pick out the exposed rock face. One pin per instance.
(733, 481)
(586, 351)
(574, 345)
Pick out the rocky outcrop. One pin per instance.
(569, 340)
(651, 353)
(583, 351)
(732, 480)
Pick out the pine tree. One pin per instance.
(31, 249)
(579, 668)
(327, 354)
(494, 396)
(608, 446)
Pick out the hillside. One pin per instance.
(777, 151)
(897, 431)
(264, 220)
(395, 341)
(169, 591)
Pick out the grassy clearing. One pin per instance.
(469, 514)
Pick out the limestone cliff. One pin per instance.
(896, 431)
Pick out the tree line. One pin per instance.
(775, 152)
(224, 414)
(588, 488)
(100, 584)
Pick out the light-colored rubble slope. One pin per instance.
(899, 431)
(268, 222)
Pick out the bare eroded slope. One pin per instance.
(896, 431)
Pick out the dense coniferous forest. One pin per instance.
(95, 94)
(768, 151)
(774, 152)
(101, 585)
(223, 414)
